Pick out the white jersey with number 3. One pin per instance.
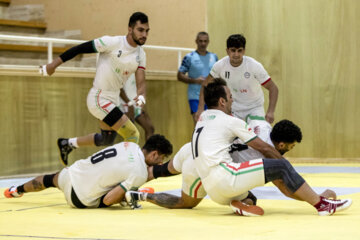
(214, 133)
(244, 81)
(123, 164)
(117, 61)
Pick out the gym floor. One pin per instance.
(45, 215)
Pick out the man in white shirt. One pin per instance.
(244, 76)
(102, 179)
(120, 56)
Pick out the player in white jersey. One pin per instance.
(222, 178)
(119, 57)
(244, 76)
(283, 136)
(102, 179)
(135, 113)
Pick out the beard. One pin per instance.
(137, 40)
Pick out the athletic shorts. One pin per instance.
(232, 181)
(194, 105)
(65, 185)
(256, 113)
(191, 182)
(100, 103)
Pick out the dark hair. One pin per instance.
(214, 91)
(201, 33)
(137, 16)
(158, 143)
(286, 131)
(236, 41)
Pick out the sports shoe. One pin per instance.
(65, 149)
(12, 193)
(132, 198)
(147, 190)
(243, 209)
(328, 207)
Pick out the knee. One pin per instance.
(105, 138)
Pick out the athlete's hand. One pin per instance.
(199, 80)
(139, 100)
(269, 117)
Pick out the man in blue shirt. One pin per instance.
(198, 65)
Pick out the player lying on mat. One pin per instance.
(225, 181)
(92, 182)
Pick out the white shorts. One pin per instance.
(65, 185)
(100, 103)
(191, 182)
(232, 181)
(249, 114)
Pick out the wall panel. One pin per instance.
(311, 50)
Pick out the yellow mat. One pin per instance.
(45, 215)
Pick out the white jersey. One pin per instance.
(191, 183)
(262, 129)
(123, 164)
(214, 133)
(117, 61)
(244, 81)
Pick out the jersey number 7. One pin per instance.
(195, 151)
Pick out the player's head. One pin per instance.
(235, 48)
(218, 96)
(284, 135)
(202, 41)
(156, 149)
(139, 27)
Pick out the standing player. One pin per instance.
(198, 65)
(102, 179)
(244, 76)
(120, 56)
(133, 112)
(222, 177)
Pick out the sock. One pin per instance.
(73, 142)
(20, 189)
(144, 196)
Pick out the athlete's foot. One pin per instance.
(243, 209)
(65, 149)
(12, 193)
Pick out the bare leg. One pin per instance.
(37, 184)
(145, 122)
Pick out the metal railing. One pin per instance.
(51, 41)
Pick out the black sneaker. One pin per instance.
(65, 149)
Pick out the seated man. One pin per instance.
(92, 182)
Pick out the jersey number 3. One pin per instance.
(195, 151)
(108, 153)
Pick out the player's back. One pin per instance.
(95, 176)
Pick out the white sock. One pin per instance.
(73, 142)
(144, 196)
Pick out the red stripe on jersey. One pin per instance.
(265, 82)
(106, 105)
(243, 165)
(141, 67)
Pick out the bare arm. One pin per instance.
(171, 201)
(182, 77)
(140, 82)
(267, 150)
(208, 80)
(273, 97)
(114, 196)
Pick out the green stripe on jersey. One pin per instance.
(243, 172)
(102, 43)
(123, 187)
(253, 118)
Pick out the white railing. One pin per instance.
(51, 41)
